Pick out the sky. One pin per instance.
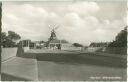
(79, 22)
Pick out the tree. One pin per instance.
(13, 36)
(3, 36)
(120, 40)
(9, 40)
(77, 45)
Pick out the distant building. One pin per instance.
(58, 44)
(99, 44)
(37, 44)
(26, 42)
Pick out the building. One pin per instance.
(58, 44)
(54, 43)
(37, 44)
(98, 46)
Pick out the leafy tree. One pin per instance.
(121, 39)
(3, 36)
(9, 40)
(13, 36)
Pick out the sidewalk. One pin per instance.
(19, 69)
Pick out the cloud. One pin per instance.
(77, 22)
(83, 8)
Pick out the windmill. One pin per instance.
(53, 32)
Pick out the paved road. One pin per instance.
(75, 66)
(62, 71)
(19, 69)
(69, 66)
(80, 67)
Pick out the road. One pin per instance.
(80, 67)
(63, 65)
(62, 71)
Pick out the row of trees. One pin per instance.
(9, 39)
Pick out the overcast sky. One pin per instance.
(82, 22)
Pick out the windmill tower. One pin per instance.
(53, 37)
(53, 32)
